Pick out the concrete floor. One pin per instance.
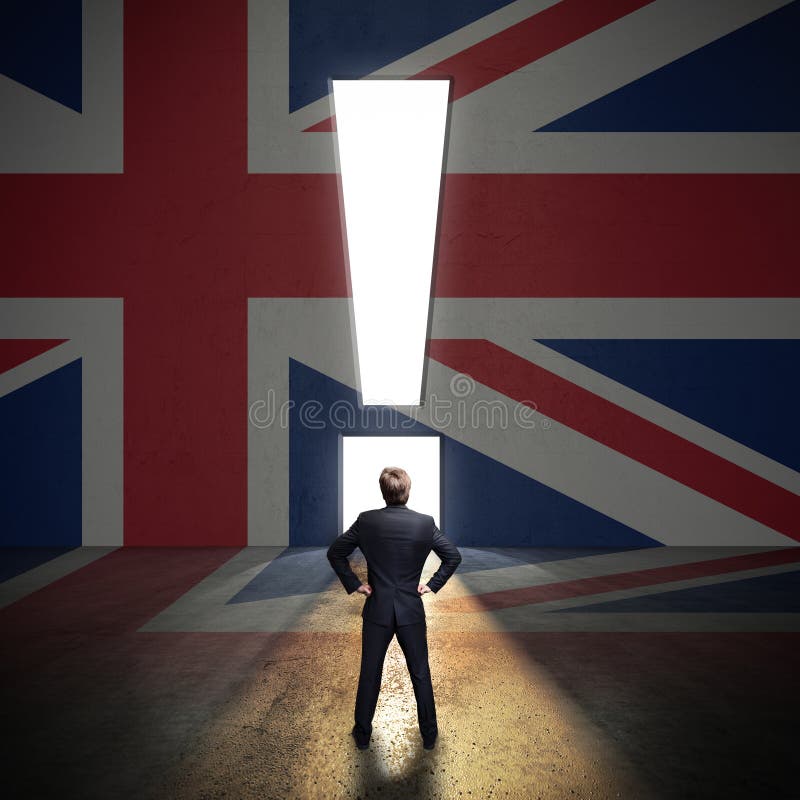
(217, 672)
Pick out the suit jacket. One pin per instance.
(395, 541)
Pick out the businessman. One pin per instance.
(395, 542)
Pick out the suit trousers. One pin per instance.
(375, 640)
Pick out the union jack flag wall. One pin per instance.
(616, 316)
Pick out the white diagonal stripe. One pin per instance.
(506, 112)
(509, 323)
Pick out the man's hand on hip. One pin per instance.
(423, 588)
(365, 588)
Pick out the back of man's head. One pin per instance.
(395, 486)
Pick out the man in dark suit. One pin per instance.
(395, 542)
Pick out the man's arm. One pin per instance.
(337, 555)
(450, 556)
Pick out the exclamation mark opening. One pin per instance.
(390, 148)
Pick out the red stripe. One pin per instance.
(528, 41)
(521, 44)
(185, 316)
(619, 236)
(115, 594)
(622, 430)
(581, 587)
(14, 352)
(501, 236)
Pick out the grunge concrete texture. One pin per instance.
(97, 707)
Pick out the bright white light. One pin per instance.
(390, 136)
(364, 457)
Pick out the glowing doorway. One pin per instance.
(363, 458)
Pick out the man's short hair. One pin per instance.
(395, 486)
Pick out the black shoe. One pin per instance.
(359, 744)
(429, 744)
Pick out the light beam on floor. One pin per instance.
(390, 140)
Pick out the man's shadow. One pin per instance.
(416, 776)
